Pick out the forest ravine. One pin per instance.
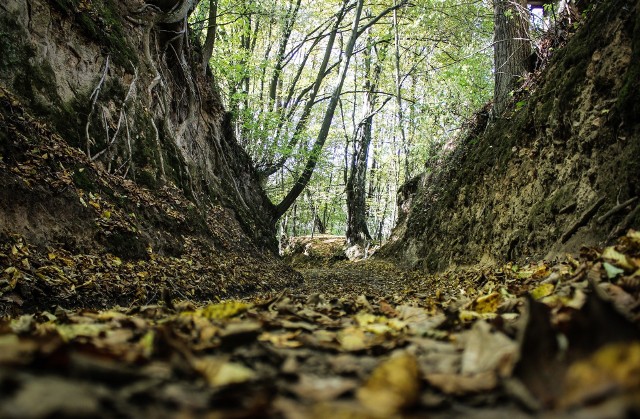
(139, 274)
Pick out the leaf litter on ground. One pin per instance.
(365, 340)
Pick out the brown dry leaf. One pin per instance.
(387, 309)
(247, 327)
(353, 339)
(488, 350)
(14, 350)
(287, 324)
(619, 259)
(219, 372)
(378, 324)
(393, 385)
(320, 389)
(281, 340)
(613, 369)
(463, 384)
(418, 320)
(53, 397)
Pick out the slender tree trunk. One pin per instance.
(290, 20)
(209, 42)
(318, 225)
(511, 49)
(399, 111)
(357, 229)
(303, 121)
(304, 178)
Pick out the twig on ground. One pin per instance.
(616, 209)
(624, 225)
(584, 219)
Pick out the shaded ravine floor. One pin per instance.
(354, 340)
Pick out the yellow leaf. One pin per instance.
(393, 386)
(615, 366)
(223, 310)
(147, 343)
(487, 303)
(70, 331)
(352, 339)
(611, 254)
(218, 372)
(542, 291)
(281, 340)
(467, 316)
(106, 214)
(634, 236)
(378, 324)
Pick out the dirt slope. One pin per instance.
(117, 165)
(558, 173)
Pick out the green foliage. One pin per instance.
(445, 75)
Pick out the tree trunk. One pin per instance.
(304, 178)
(398, 92)
(357, 229)
(511, 49)
(207, 49)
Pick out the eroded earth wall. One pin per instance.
(120, 180)
(549, 177)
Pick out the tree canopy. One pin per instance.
(297, 77)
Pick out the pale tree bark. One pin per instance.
(398, 92)
(357, 229)
(512, 49)
(290, 19)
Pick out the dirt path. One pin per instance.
(354, 340)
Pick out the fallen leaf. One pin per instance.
(223, 310)
(352, 339)
(619, 259)
(487, 303)
(542, 290)
(459, 385)
(613, 369)
(69, 332)
(281, 340)
(219, 372)
(393, 385)
(488, 350)
(322, 388)
(612, 270)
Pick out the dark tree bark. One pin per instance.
(512, 49)
(209, 42)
